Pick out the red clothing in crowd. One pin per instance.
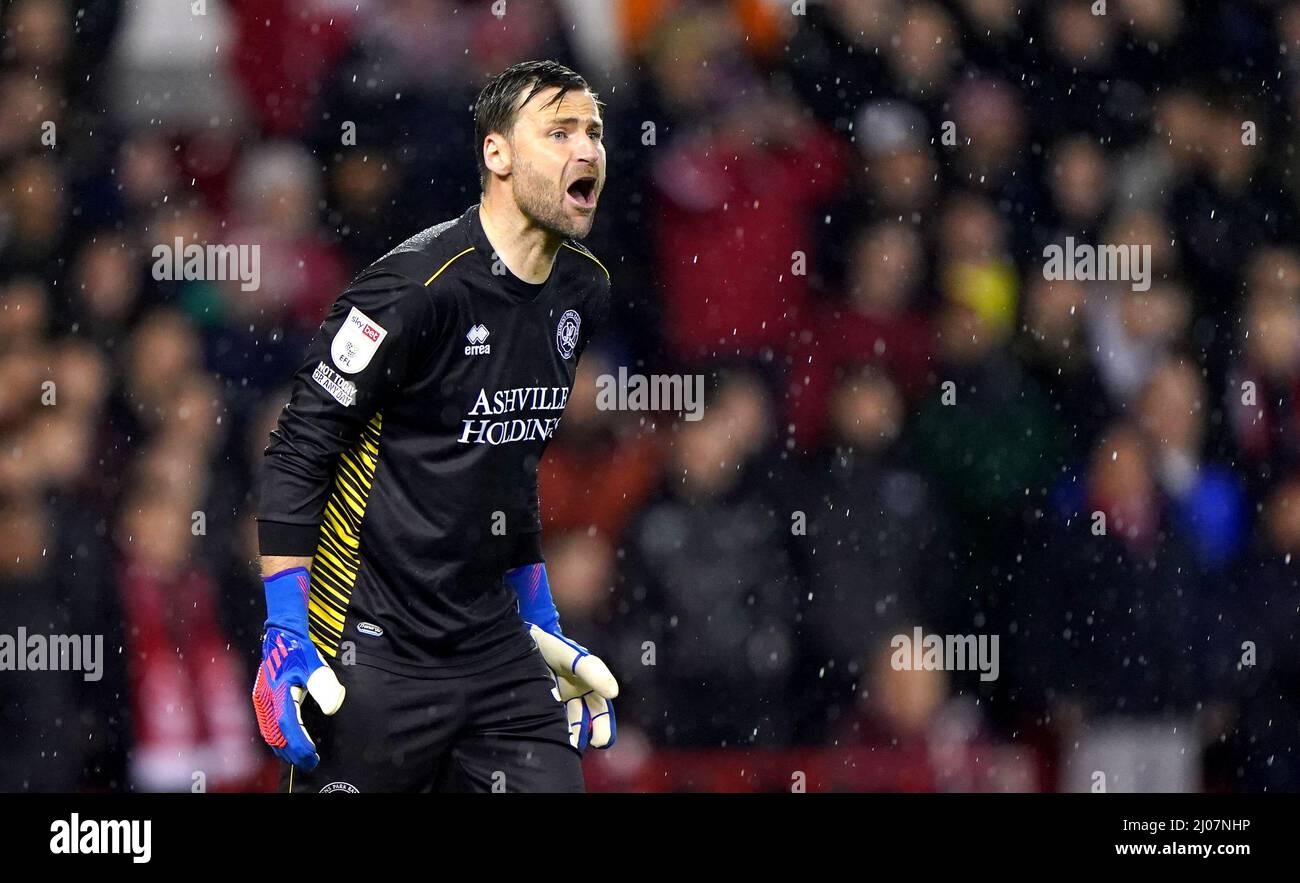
(189, 703)
(841, 337)
(580, 490)
(729, 221)
(284, 49)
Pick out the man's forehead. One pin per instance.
(576, 103)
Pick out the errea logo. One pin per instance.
(477, 334)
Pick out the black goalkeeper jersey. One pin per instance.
(406, 458)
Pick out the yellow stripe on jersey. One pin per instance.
(338, 551)
(448, 264)
(586, 254)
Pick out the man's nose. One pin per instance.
(587, 151)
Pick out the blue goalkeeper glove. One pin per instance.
(581, 681)
(291, 666)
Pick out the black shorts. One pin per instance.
(496, 730)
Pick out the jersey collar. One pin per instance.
(508, 281)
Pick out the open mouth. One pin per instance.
(583, 192)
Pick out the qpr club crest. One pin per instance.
(566, 333)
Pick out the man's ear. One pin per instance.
(497, 155)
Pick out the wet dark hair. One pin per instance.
(497, 106)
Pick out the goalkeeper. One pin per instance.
(398, 516)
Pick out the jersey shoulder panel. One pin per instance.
(394, 296)
(426, 256)
(573, 245)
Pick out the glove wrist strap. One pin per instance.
(286, 600)
(533, 587)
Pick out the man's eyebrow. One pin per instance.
(567, 121)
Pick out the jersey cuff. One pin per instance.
(291, 540)
(528, 550)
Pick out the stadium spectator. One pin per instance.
(883, 321)
(875, 558)
(1109, 616)
(709, 583)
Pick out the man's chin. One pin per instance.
(584, 229)
(580, 225)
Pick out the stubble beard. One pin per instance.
(539, 203)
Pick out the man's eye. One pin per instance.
(560, 132)
(596, 136)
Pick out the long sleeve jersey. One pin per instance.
(406, 459)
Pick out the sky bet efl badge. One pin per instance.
(566, 333)
(356, 342)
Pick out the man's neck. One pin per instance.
(526, 249)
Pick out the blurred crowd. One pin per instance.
(838, 218)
